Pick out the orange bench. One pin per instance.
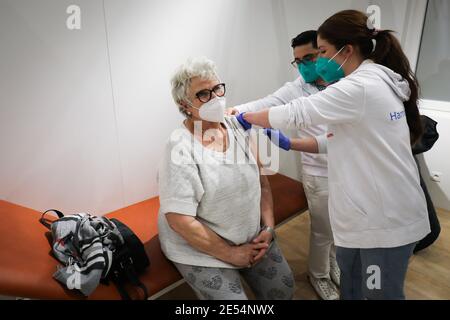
(26, 264)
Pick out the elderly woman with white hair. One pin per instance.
(216, 213)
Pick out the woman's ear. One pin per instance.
(185, 106)
(349, 50)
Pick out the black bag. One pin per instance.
(429, 136)
(426, 142)
(129, 260)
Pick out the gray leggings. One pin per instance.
(269, 279)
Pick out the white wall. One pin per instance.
(84, 114)
(57, 131)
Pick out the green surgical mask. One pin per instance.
(328, 69)
(308, 71)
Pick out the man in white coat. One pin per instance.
(323, 270)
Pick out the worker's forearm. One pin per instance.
(309, 145)
(266, 203)
(203, 239)
(259, 118)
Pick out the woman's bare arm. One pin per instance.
(202, 238)
(309, 145)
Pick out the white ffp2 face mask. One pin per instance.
(213, 110)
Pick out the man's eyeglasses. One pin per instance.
(306, 59)
(206, 94)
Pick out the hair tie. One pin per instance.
(375, 32)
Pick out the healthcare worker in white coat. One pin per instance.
(377, 208)
(323, 271)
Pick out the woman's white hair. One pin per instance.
(194, 67)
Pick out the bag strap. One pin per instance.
(47, 223)
(128, 274)
(120, 285)
(134, 279)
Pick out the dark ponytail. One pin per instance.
(350, 27)
(389, 53)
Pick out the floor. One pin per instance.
(428, 275)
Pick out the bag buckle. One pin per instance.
(128, 262)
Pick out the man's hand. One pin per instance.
(243, 255)
(231, 112)
(263, 237)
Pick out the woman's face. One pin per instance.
(327, 50)
(198, 84)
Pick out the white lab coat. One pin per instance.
(375, 198)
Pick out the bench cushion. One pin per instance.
(27, 266)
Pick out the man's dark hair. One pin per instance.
(306, 37)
